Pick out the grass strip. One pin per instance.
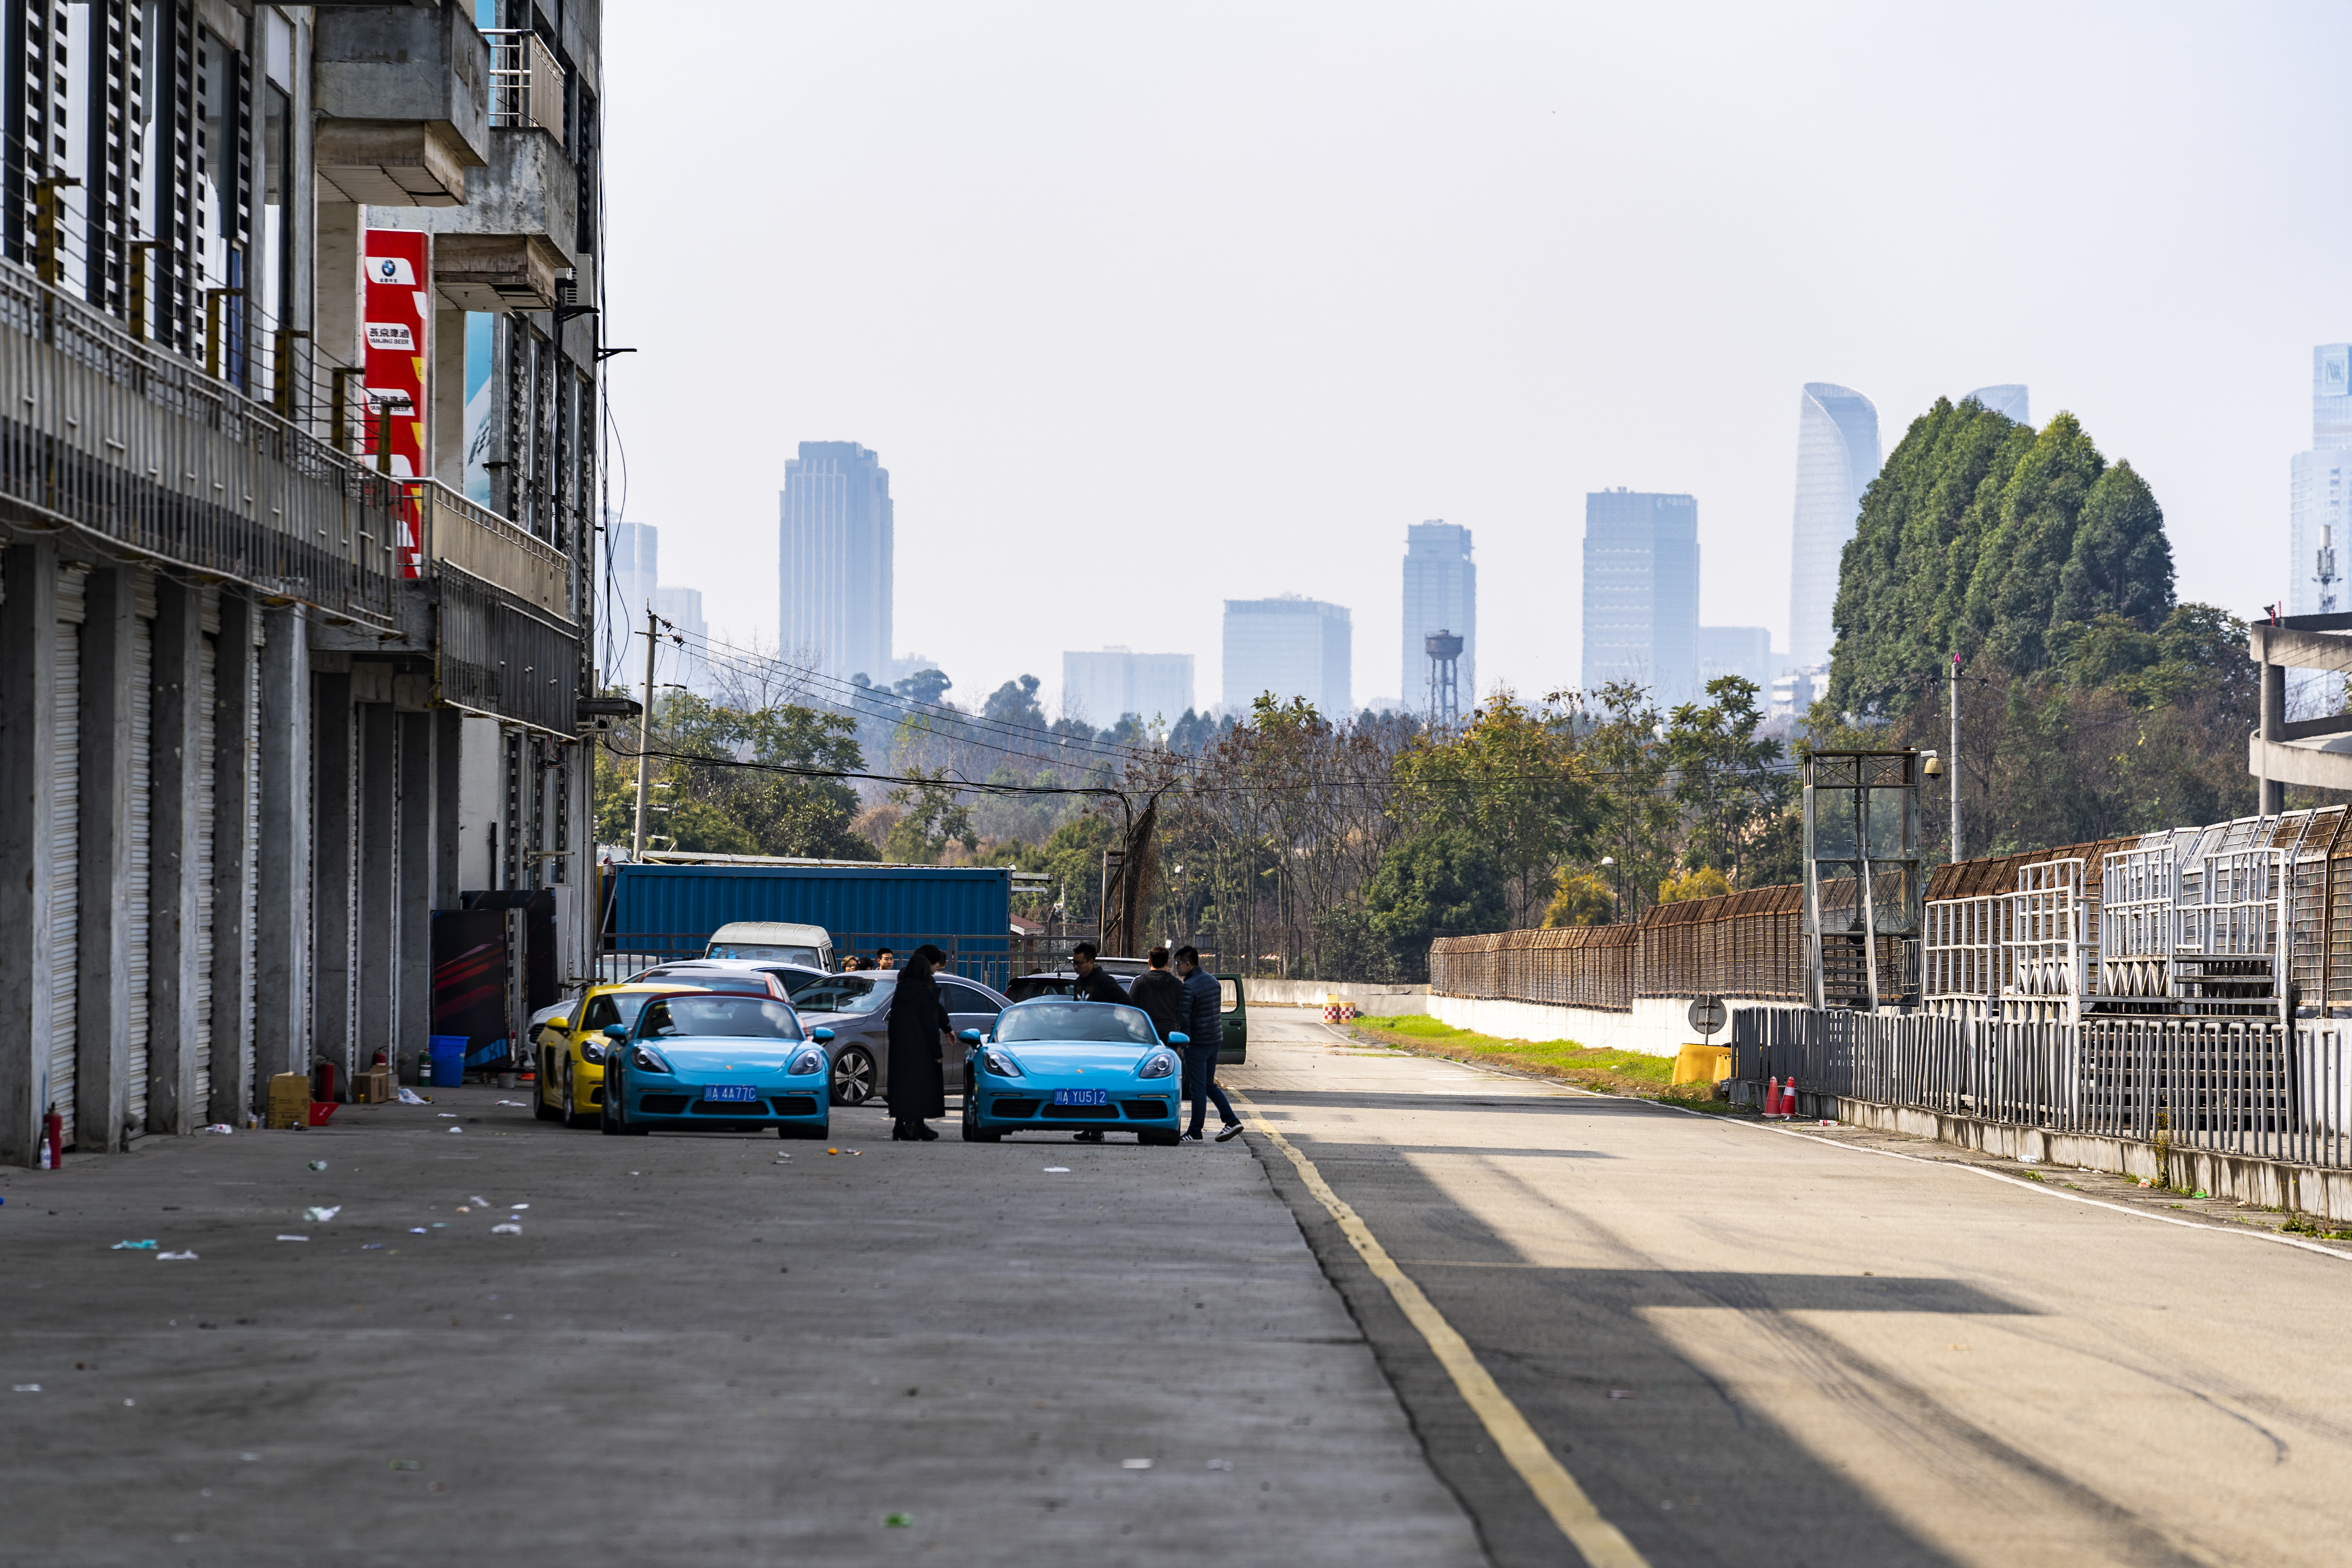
(1604, 1071)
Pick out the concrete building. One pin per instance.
(1640, 592)
(1837, 457)
(1744, 651)
(1441, 593)
(2319, 488)
(1292, 646)
(1102, 687)
(834, 556)
(288, 722)
(2007, 399)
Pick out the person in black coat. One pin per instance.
(919, 1021)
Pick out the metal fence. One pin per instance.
(2229, 1086)
(121, 438)
(1574, 966)
(497, 658)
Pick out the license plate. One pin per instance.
(730, 1091)
(1082, 1097)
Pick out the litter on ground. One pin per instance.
(410, 1097)
(189, 1257)
(1057, 1170)
(897, 1520)
(317, 1164)
(456, 1129)
(316, 1214)
(1135, 1463)
(220, 1126)
(479, 1202)
(371, 1246)
(506, 1230)
(132, 1246)
(416, 1230)
(446, 1115)
(1221, 1464)
(518, 1105)
(293, 1239)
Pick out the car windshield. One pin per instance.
(766, 951)
(840, 993)
(748, 982)
(1039, 1021)
(673, 1018)
(1030, 985)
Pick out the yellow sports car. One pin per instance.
(571, 1046)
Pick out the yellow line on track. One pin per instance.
(1602, 1544)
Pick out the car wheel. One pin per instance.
(972, 1132)
(852, 1075)
(797, 1132)
(1157, 1138)
(605, 1122)
(574, 1117)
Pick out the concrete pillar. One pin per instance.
(281, 925)
(380, 873)
(174, 977)
(447, 416)
(233, 781)
(449, 816)
(420, 860)
(2274, 700)
(29, 729)
(101, 1087)
(334, 874)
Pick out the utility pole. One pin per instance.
(645, 739)
(1955, 762)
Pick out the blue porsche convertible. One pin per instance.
(708, 1062)
(1063, 1066)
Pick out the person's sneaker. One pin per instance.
(1087, 1136)
(1230, 1129)
(1190, 1138)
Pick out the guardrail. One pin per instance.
(105, 433)
(2227, 1086)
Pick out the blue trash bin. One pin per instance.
(448, 1053)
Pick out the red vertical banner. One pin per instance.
(398, 320)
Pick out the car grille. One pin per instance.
(662, 1104)
(797, 1105)
(1006, 1105)
(1080, 1112)
(1147, 1109)
(739, 1109)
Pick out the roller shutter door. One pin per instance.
(207, 691)
(250, 892)
(142, 815)
(65, 847)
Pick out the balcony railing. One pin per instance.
(120, 438)
(450, 530)
(526, 82)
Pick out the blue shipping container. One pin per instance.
(669, 912)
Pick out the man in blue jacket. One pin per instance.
(1204, 1030)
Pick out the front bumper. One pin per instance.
(1138, 1105)
(677, 1102)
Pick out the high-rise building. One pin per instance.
(634, 559)
(1837, 457)
(1441, 595)
(2319, 489)
(1640, 592)
(2007, 399)
(1291, 647)
(1743, 651)
(834, 559)
(687, 662)
(1102, 687)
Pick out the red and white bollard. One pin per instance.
(1771, 1099)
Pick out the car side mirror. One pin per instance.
(822, 1036)
(616, 1031)
(968, 1037)
(1180, 1038)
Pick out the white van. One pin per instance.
(774, 940)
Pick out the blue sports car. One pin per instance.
(706, 1061)
(1057, 1065)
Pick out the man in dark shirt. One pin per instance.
(1094, 983)
(1159, 994)
(1205, 1028)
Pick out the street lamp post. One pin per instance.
(1616, 893)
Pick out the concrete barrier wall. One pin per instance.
(1658, 1026)
(1382, 1001)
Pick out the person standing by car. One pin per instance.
(1159, 994)
(918, 1023)
(887, 958)
(1205, 1030)
(1094, 982)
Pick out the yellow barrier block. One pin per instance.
(1703, 1064)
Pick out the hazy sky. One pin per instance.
(1145, 309)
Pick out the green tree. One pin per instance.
(1730, 783)
(1015, 703)
(1512, 777)
(1582, 898)
(933, 815)
(1640, 819)
(2121, 562)
(1445, 882)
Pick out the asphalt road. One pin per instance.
(1745, 1346)
(1749, 1347)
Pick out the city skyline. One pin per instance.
(1441, 593)
(1289, 645)
(1837, 457)
(1102, 685)
(1640, 592)
(836, 536)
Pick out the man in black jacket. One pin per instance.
(1094, 983)
(1159, 994)
(1205, 1030)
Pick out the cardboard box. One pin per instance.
(374, 1087)
(289, 1100)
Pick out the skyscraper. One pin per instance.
(834, 558)
(2319, 488)
(1441, 595)
(688, 664)
(2008, 398)
(633, 553)
(1744, 651)
(1101, 688)
(1640, 592)
(1837, 457)
(1290, 646)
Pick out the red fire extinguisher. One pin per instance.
(53, 1130)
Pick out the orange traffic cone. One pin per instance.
(1772, 1098)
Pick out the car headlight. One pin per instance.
(997, 1062)
(808, 1061)
(649, 1060)
(1159, 1064)
(591, 1051)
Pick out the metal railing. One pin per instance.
(526, 82)
(494, 657)
(452, 530)
(106, 433)
(2231, 1086)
